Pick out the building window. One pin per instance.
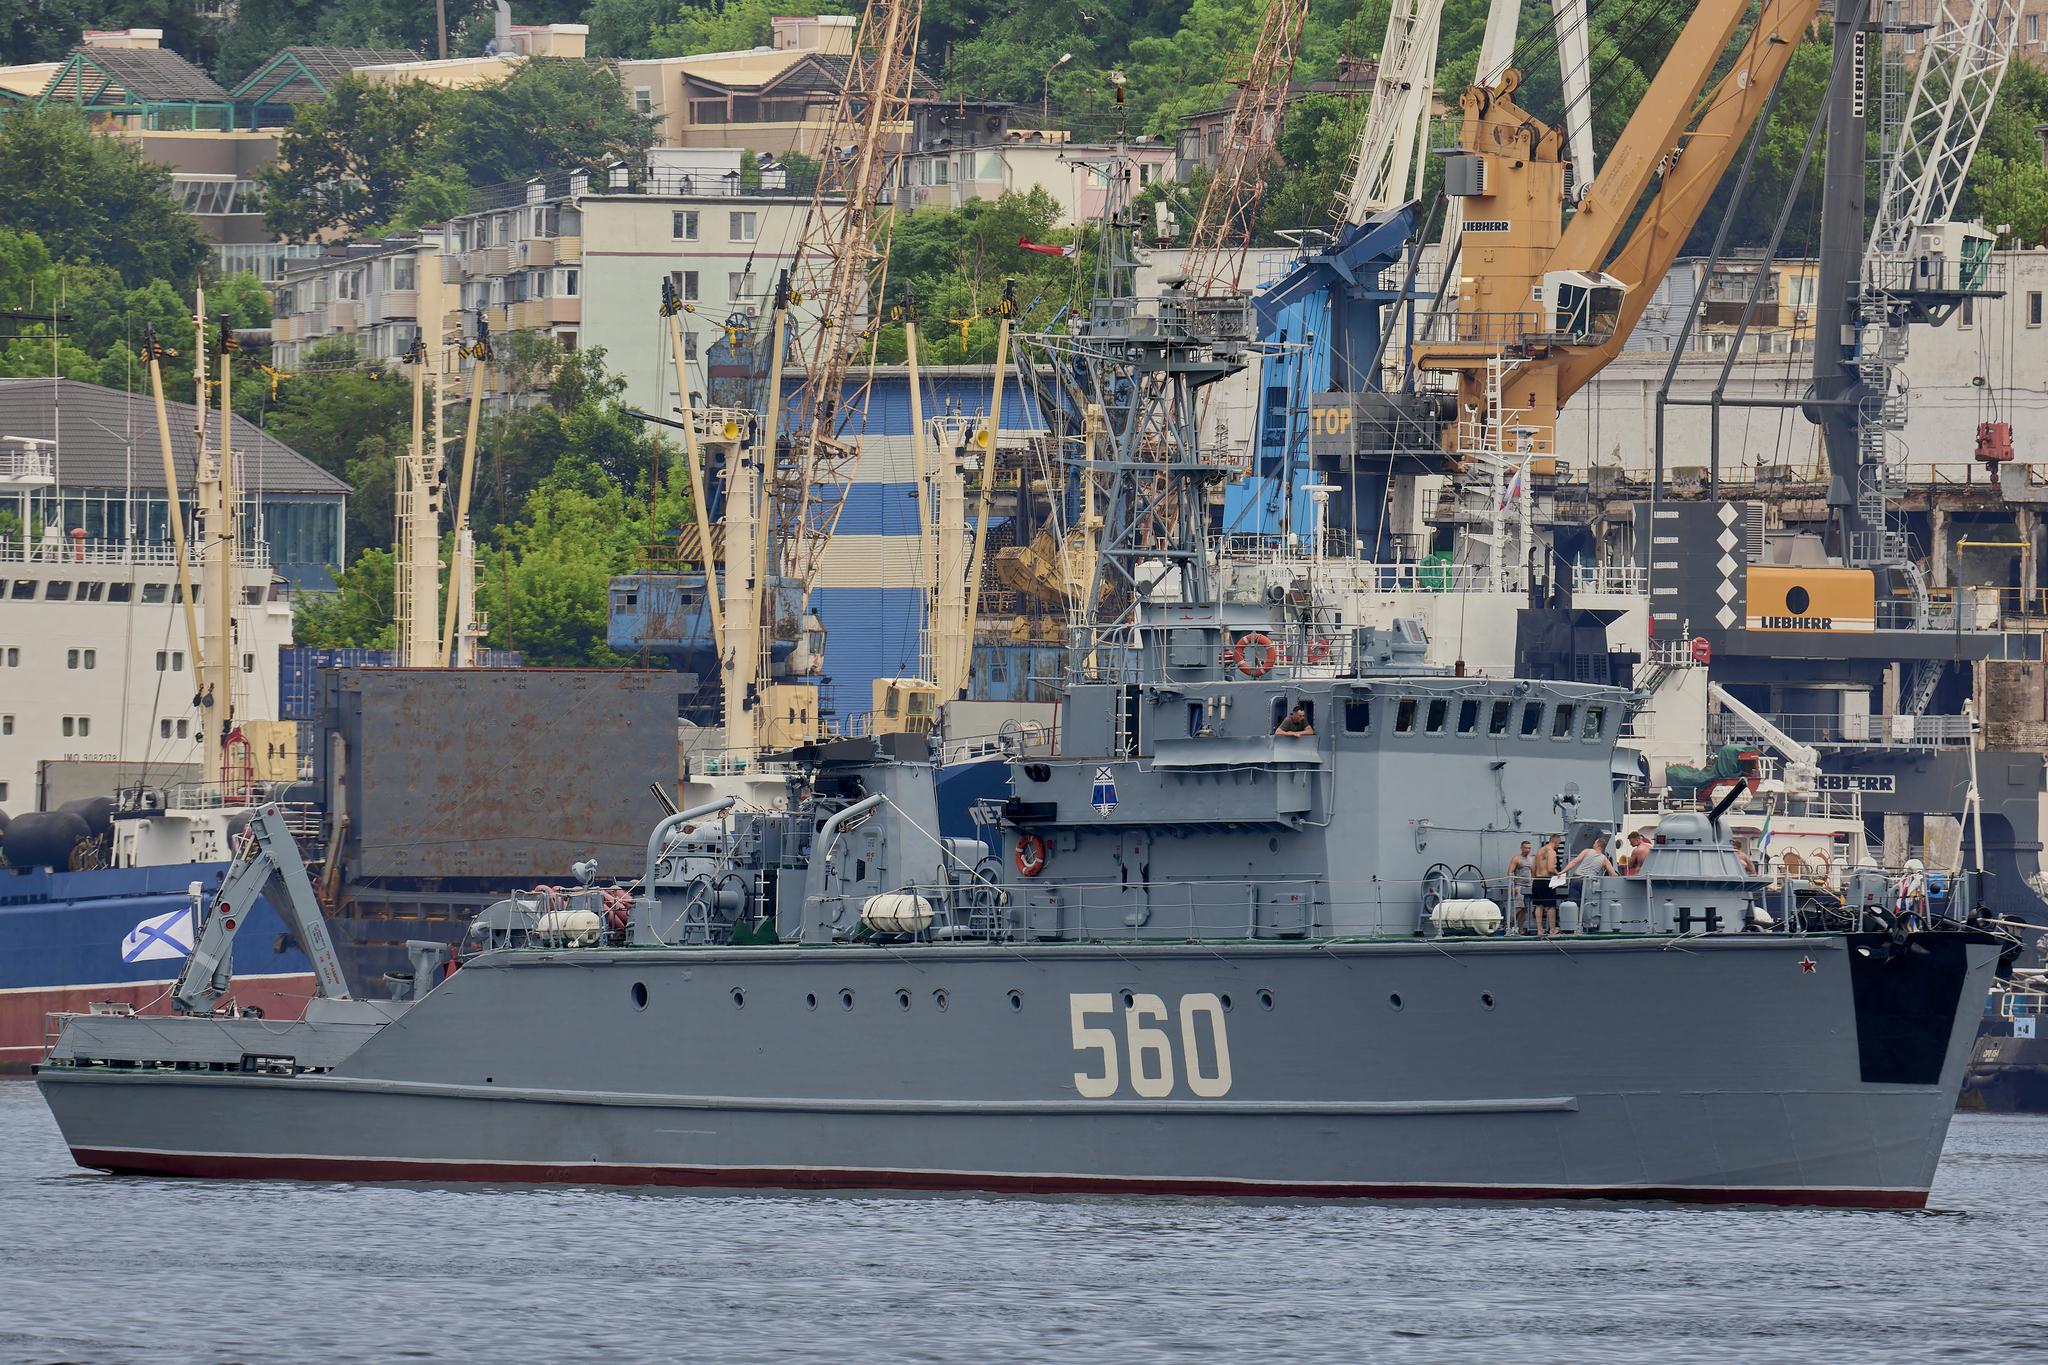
(740, 227)
(13, 657)
(404, 274)
(565, 283)
(71, 658)
(1969, 318)
(184, 729)
(683, 223)
(689, 286)
(2033, 28)
(740, 285)
(643, 99)
(92, 658)
(567, 341)
(689, 345)
(2033, 320)
(6, 725)
(78, 726)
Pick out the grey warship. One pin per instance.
(1193, 955)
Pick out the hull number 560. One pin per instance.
(1204, 1046)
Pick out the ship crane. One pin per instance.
(1224, 227)
(1556, 301)
(1802, 761)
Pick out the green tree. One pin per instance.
(350, 418)
(546, 116)
(360, 614)
(2013, 194)
(344, 163)
(624, 28)
(92, 199)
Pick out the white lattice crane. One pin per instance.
(1930, 149)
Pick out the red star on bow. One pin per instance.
(1806, 964)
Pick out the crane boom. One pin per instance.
(1388, 156)
(1802, 762)
(842, 269)
(271, 852)
(1224, 228)
(1960, 71)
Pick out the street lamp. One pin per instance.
(1045, 95)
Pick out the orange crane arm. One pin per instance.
(1692, 162)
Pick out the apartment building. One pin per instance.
(945, 177)
(582, 257)
(377, 294)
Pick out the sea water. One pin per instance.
(97, 1268)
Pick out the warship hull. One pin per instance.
(1776, 1069)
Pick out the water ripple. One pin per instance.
(100, 1270)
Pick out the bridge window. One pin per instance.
(1468, 717)
(1561, 723)
(1404, 717)
(1532, 719)
(1439, 713)
(1497, 724)
(1358, 716)
(1596, 721)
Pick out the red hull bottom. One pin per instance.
(24, 1014)
(502, 1173)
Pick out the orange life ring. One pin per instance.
(1030, 854)
(1318, 650)
(1268, 655)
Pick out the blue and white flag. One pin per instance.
(163, 937)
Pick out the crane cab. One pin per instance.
(1584, 306)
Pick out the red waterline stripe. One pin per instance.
(594, 1173)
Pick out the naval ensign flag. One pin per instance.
(165, 936)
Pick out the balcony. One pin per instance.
(568, 250)
(493, 260)
(561, 310)
(537, 251)
(451, 270)
(345, 315)
(403, 304)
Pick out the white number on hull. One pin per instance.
(1150, 1049)
(1101, 1039)
(1149, 1042)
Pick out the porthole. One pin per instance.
(1266, 999)
(739, 998)
(1226, 1003)
(639, 995)
(1128, 1001)
(1394, 1001)
(811, 1001)
(846, 1000)
(1273, 845)
(902, 1000)
(1486, 999)
(1016, 1002)
(939, 999)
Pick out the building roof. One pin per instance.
(90, 425)
(113, 77)
(302, 75)
(803, 73)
